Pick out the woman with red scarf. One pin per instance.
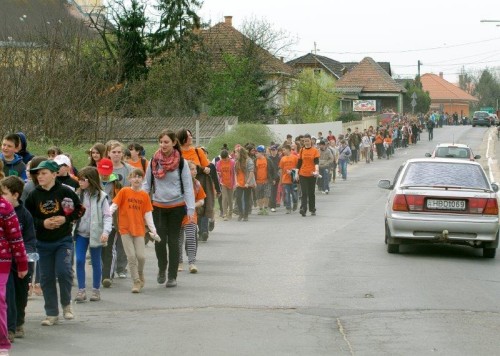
(169, 182)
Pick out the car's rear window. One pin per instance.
(481, 114)
(444, 174)
(452, 152)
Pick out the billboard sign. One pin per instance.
(364, 105)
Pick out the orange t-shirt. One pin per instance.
(132, 206)
(388, 140)
(199, 194)
(261, 170)
(226, 174)
(191, 155)
(240, 178)
(288, 163)
(308, 155)
(138, 164)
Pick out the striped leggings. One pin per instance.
(189, 232)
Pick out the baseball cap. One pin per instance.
(274, 147)
(105, 167)
(48, 164)
(62, 160)
(261, 148)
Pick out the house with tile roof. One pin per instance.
(319, 63)
(445, 96)
(369, 81)
(223, 39)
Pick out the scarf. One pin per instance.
(161, 163)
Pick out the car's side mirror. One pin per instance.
(427, 155)
(477, 156)
(494, 186)
(385, 184)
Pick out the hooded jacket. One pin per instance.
(15, 167)
(23, 152)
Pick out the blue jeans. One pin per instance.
(81, 246)
(290, 195)
(324, 181)
(55, 262)
(343, 167)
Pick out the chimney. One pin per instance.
(228, 20)
(441, 75)
(282, 59)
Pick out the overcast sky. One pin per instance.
(445, 35)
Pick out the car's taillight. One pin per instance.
(486, 206)
(399, 203)
(404, 202)
(415, 202)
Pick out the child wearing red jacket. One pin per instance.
(11, 246)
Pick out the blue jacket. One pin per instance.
(24, 153)
(15, 167)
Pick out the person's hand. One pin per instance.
(50, 223)
(191, 218)
(154, 236)
(22, 274)
(206, 170)
(104, 238)
(59, 220)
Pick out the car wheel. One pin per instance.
(489, 252)
(387, 233)
(393, 248)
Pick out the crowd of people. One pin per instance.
(58, 216)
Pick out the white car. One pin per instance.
(439, 200)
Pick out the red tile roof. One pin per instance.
(440, 89)
(371, 77)
(223, 39)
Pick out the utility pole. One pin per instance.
(419, 64)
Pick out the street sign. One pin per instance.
(414, 96)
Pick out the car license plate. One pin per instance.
(441, 204)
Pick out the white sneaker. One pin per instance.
(192, 268)
(4, 352)
(68, 312)
(50, 320)
(273, 210)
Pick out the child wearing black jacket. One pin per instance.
(54, 208)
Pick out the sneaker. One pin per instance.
(68, 312)
(225, 218)
(11, 336)
(204, 236)
(181, 267)
(20, 332)
(50, 320)
(294, 206)
(122, 275)
(211, 225)
(302, 212)
(81, 296)
(171, 283)
(327, 191)
(96, 295)
(273, 210)
(106, 283)
(38, 290)
(161, 278)
(141, 278)
(4, 352)
(192, 268)
(288, 211)
(313, 213)
(30, 290)
(137, 286)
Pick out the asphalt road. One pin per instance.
(289, 285)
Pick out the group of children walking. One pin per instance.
(73, 213)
